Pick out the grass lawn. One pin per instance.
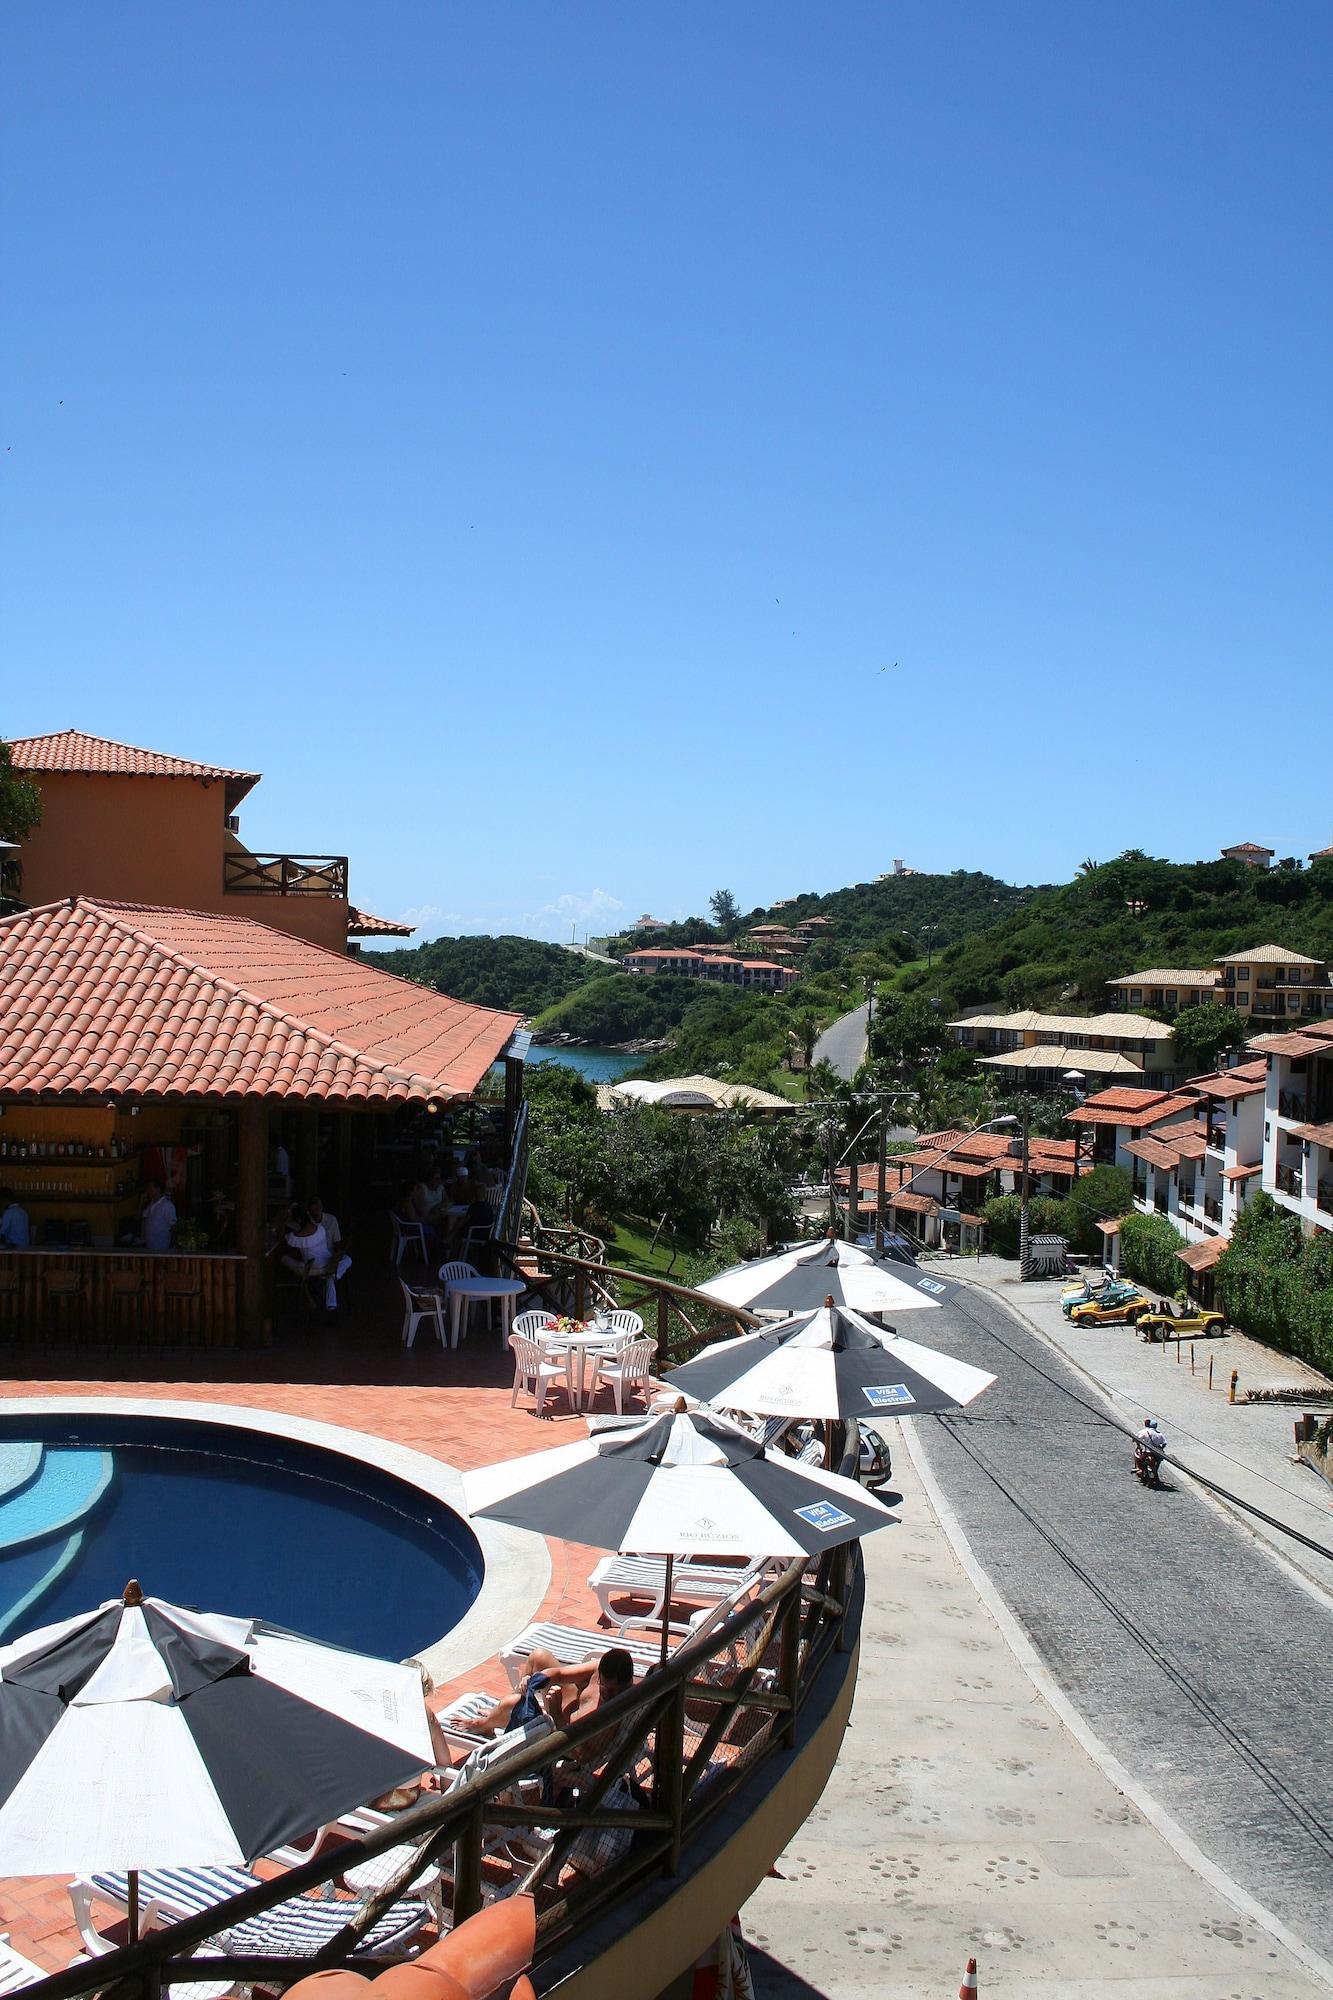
(634, 1248)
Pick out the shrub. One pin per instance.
(1105, 1192)
(1275, 1284)
(1149, 1249)
(1002, 1216)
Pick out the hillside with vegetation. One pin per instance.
(1062, 944)
(518, 974)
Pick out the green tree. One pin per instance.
(20, 800)
(1149, 1252)
(726, 911)
(1200, 1034)
(1096, 1197)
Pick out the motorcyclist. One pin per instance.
(1149, 1448)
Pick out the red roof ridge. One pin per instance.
(185, 767)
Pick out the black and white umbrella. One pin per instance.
(800, 1278)
(141, 1735)
(684, 1484)
(829, 1363)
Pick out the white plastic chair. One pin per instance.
(420, 1302)
(407, 1235)
(532, 1325)
(626, 1370)
(628, 1323)
(534, 1373)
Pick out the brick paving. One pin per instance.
(453, 1406)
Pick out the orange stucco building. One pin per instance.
(143, 827)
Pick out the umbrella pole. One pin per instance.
(133, 1913)
(666, 1607)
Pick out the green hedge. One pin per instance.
(1106, 1191)
(1277, 1285)
(1149, 1248)
(1046, 1217)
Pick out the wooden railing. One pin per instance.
(285, 875)
(581, 1286)
(685, 1741)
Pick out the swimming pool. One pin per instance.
(225, 1519)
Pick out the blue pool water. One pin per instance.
(224, 1520)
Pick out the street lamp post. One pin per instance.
(1024, 1196)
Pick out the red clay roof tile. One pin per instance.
(100, 756)
(134, 1001)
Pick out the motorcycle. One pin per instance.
(1147, 1463)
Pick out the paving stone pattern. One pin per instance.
(1186, 1648)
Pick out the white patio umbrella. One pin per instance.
(141, 1735)
(826, 1364)
(800, 1278)
(687, 1483)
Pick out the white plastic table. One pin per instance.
(592, 1340)
(464, 1291)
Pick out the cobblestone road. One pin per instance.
(1186, 1648)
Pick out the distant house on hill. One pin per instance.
(647, 923)
(1040, 1049)
(711, 962)
(1250, 853)
(1267, 983)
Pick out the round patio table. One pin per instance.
(465, 1291)
(593, 1340)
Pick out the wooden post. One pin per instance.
(305, 1153)
(252, 1215)
(663, 1323)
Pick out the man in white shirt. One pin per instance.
(15, 1230)
(338, 1264)
(159, 1217)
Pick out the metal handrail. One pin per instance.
(796, 1623)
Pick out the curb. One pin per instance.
(1322, 1593)
(1030, 1662)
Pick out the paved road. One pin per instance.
(843, 1045)
(1188, 1650)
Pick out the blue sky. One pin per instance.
(589, 454)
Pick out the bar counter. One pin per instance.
(113, 1295)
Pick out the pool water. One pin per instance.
(225, 1520)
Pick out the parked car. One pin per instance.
(1174, 1322)
(1122, 1311)
(1116, 1292)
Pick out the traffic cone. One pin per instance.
(968, 1989)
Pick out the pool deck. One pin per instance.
(453, 1406)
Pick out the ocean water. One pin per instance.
(598, 1065)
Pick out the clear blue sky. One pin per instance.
(525, 432)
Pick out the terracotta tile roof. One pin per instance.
(915, 1204)
(1203, 1256)
(1247, 1173)
(1245, 1080)
(100, 756)
(1319, 1135)
(1268, 954)
(1248, 847)
(1109, 1228)
(360, 923)
(1130, 1107)
(1315, 1040)
(1170, 1145)
(134, 1001)
(1169, 975)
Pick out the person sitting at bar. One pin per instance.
(157, 1217)
(307, 1247)
(15, 1229)
(428, 1196)
(338, 1264)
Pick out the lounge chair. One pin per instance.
(16, 1971)
(645, 1576)
(295, 1929)
(571, 1645)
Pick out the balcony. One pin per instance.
(1212, 1208)
(1289, 1181)
(1216, 1138)
(285, 875)
(1291, 1104)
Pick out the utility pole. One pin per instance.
(1023, 1198)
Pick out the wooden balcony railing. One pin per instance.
(1291, 1104)
(285, 875)
(704, 1735)
(1289, 1180)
